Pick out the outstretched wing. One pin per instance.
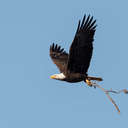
(59, 57)
(81, 48)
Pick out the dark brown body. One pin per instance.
(74, 77)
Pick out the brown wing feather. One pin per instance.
(59, 57)
(81, 48)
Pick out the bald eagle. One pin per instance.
(73, 67)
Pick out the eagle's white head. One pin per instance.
(60, 76)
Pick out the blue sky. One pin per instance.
(28, 97)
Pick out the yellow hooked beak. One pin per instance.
(53, 77)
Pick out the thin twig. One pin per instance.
(109, 97)
(117, 92)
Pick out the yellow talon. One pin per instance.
(88, 82)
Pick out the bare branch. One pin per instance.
(111, 91)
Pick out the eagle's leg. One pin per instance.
(89, 83)
(89, 80)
